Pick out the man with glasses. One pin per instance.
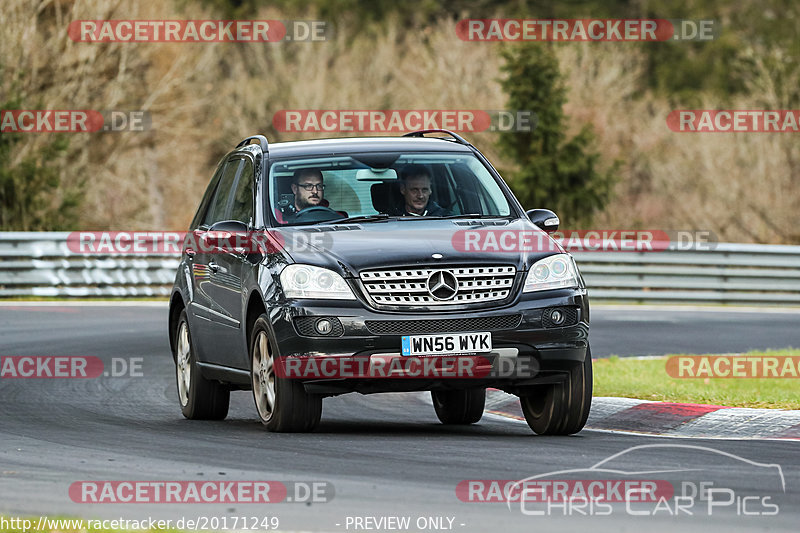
(308, 189)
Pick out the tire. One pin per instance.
(200, 399)
(283, 405)
(459, 406)
(563, 408)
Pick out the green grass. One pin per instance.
(670, 304)
(647, 379)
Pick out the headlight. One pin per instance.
(554, 272)
(306, 281)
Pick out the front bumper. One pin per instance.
(526, 349)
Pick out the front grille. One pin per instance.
(409, 286)
(446, 325)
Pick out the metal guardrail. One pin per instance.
(42, 264)
(724, 273)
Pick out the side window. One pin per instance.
(212, 186)
(217, 207)
(242, 209)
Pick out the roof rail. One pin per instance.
(261, 140)
(421, 133)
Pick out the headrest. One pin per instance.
(385, 197)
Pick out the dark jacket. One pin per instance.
(432, 210)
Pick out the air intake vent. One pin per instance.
(447, 325)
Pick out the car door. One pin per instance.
(213, 325)
(227, 269)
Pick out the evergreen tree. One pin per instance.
(553, 172)
(33, 196)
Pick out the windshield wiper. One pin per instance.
(360, 218)
(473, 215)
(451, 217)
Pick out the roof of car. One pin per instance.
(363, 144)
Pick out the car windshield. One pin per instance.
(377, 186)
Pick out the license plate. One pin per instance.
(446, 344)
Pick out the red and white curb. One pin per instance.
(671, 419)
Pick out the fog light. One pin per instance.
(557, 317)
(323, 326)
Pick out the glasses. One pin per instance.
(311, 186)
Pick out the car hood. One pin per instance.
(351, 248)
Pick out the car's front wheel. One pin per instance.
(201, 399)
(563, 408)
(459, 406)
(282, 403)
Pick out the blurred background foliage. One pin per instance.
(552, 169)
(602, 154)
(675, 69)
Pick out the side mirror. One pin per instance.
(224, 234)
(544, 219)
(231, 226)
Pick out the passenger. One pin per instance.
(415, 187)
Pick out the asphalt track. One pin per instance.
(385, 455)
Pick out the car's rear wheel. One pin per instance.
(283, 404)
(200, 399)
(563, 408)
(459, 406)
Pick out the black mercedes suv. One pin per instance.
(321, 267)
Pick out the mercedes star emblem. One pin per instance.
(442, 285)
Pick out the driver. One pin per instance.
(415, 186)
(308, 189)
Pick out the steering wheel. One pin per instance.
(317, 213)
